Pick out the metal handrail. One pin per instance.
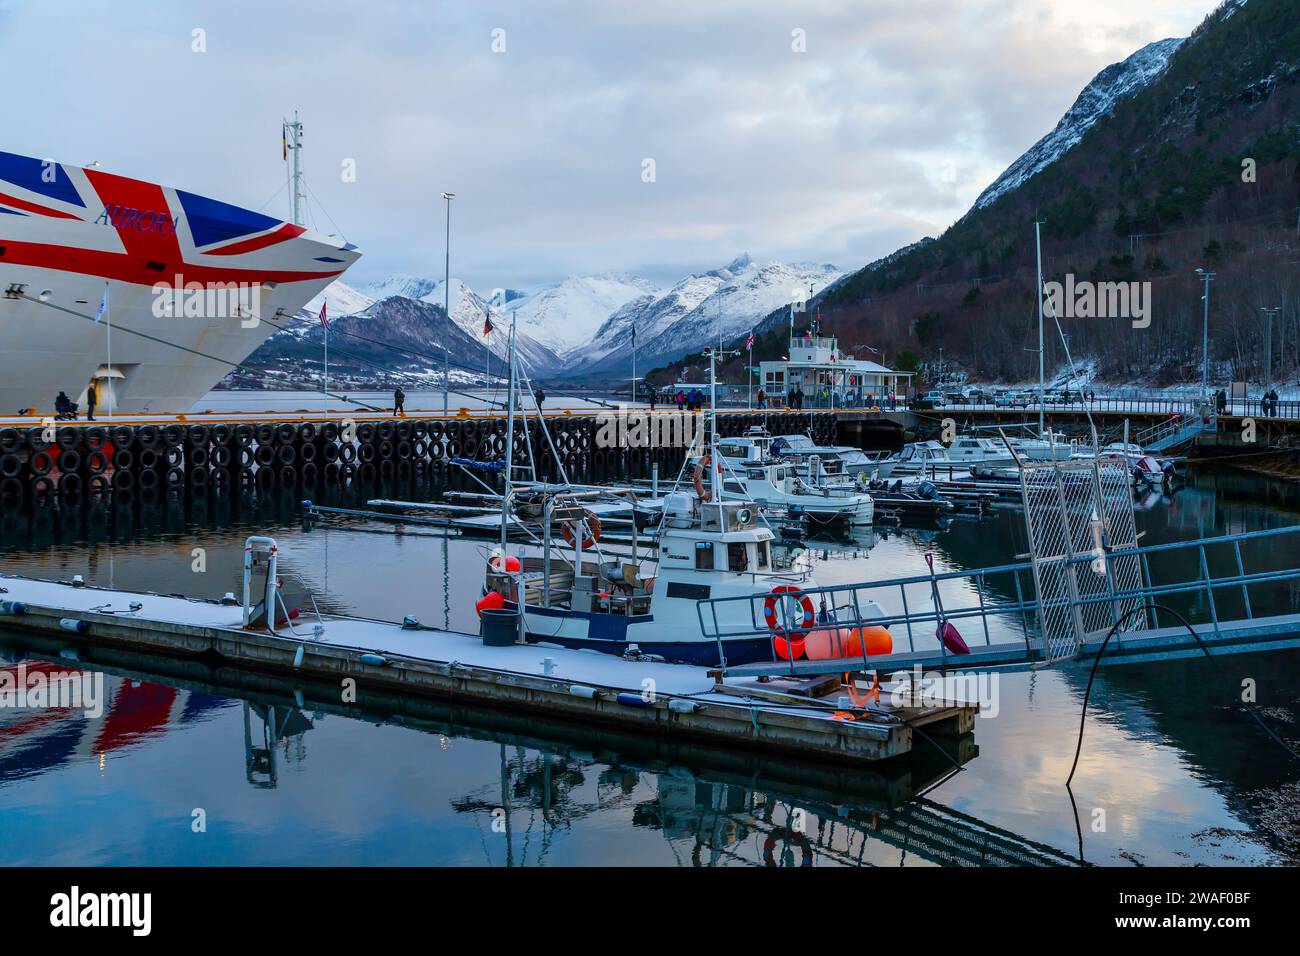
(983, 608)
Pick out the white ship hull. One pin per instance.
(67, 234)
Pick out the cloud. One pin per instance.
(887, 127)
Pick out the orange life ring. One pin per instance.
(794, 647)
(593, 530)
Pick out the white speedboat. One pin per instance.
(834, 459)
(750, 473)
(922, 458)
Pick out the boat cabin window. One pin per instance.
(764, 556)
(908, 452)
(733, 487)
(737, 556)
(704, 555)
(733, 451)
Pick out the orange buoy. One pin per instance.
(830, 643)
(490, 601)
(878, 640)
(512, 563)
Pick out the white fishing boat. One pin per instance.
(577, 594)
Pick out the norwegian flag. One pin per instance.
(324, 320)
(749, 342)
(487, 324)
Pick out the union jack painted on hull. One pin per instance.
(65, 231)
(37, 741)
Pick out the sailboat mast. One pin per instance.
(1038, 242)
(510, 428)
(715, 467)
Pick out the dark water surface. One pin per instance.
(1171, 773)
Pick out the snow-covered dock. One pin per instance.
(684, 702)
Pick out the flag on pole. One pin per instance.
(324, 320)
(487, 323)
(284, 143)
(749, 342)
(634, 335)
(103, 305)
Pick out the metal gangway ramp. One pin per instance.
(1086, 573)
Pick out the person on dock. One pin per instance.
(762, 399)
(539, 396)
(399, 402)
(92, 399)
(680, 400)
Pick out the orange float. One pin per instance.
(491, 601)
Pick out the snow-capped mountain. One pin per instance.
(469, 311)
(585, 322)
(569, 314)
(407, 286)
(1113, 84)
(340, 299)
(697, 311)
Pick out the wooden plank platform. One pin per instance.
(643, 697)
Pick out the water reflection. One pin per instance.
(290, 775)
(548, 780)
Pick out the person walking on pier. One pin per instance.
(399, 402)
(539, 396)
(92, 399)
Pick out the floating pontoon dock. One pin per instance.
(683, 702)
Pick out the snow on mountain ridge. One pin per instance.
(1113, 84)
(697, 311)
(567, 315)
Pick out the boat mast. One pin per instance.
(510, 432)
(1038, 242)
(715, 465)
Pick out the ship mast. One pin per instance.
(291, 138)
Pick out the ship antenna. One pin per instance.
(291, 139)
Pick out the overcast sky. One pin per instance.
(893, 119)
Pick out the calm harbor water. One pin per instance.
(1170, 774)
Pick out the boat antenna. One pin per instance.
(291, 139)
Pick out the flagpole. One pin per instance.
(108, 332)
(327, 359)
(633, 401)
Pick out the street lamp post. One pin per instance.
(1268, 349)
(1207, 278)
(446, 308)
